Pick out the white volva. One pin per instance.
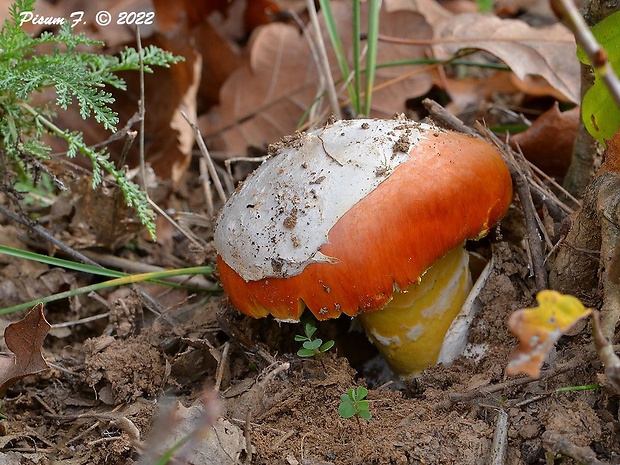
(288, 205)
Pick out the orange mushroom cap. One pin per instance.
(449, 187)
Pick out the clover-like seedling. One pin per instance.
(312, 347)
(354, 405)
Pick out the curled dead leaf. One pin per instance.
(540, 327)
(24, 339)
(548, 51)
(269, 95)
(548, 143)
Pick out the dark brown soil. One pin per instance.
(124, 388)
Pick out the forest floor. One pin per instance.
(125, 387)
(142, 371)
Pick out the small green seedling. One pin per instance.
(312, 347)
(354, 405)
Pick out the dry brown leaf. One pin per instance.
(185, 14)
(611, 157)
(219, 60)
(24, 339)
(539, 328)
(113, 34)
(168, 91)
(432, 10)
(94, 218)
(546, 51)
(548, 143)
(268, 96)
(471, 92)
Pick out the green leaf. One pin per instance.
(361, 393)
(313, 345)
(309, 329)
(365, 414)
(77, 77)
(305, 353)
(484, 6)
(346, 410)
(362, 404)
(600, 115)
(300, 338)
(328, 345)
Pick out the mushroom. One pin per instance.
(368, 218)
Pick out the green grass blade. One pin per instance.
(357, 82)
(130, 279)
(76, 266)
(59, 262)
(371, 57)
(334, 36)
(449, 61)
(587, 387)
(167, 456)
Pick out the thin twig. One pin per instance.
(446, 119)
(232, 160)
(318, 98)
(500, 439)
(81, 321)
(606, 352)
(206, 187)
(560, 444)
(566, 9)
(456, 397)
(205, 153)
(47, 236)
(514, 161)
(222, 364)
(323, 65)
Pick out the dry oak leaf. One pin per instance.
(548, 143)
(540, 327)
(24, 339)
(548, 51)
(269, 95)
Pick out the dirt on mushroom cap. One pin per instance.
(452, 187)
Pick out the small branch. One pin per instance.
(559, 444)
(205, 153)
(323, 65)
(445, 118)
(606, 352)
(515, 162)
(520, 179)
(500, 439)
(456, 397)
(47, 236)
(206, 186)
(566, 9)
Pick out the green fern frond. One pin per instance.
(77, 77)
